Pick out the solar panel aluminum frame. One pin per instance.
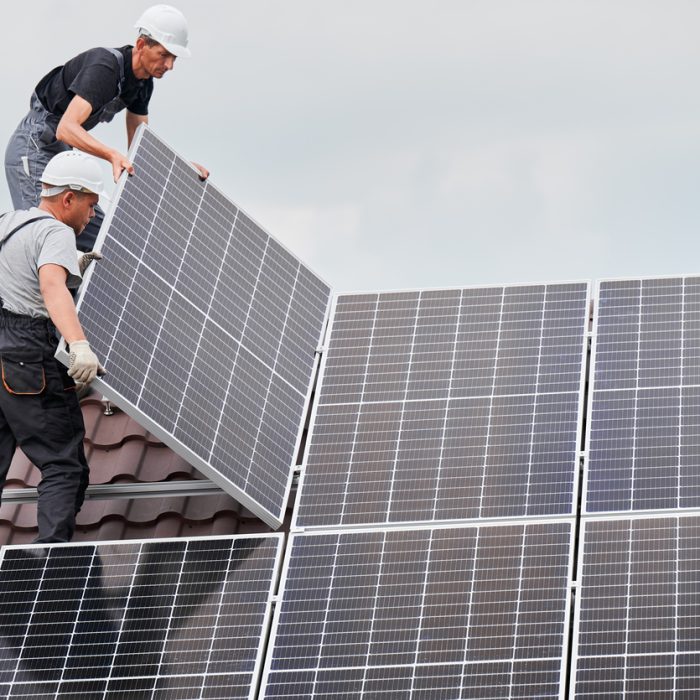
(321, 374)
(566, 623)
(591, 395)
(678, 515)
(274, 578)
(274, 520)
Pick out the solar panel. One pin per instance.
(637, 632)
(180, 618)
(644, 443)
(441, 612)
(447, 404)
(207, 326)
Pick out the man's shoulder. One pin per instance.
(94, 51)
(20, 216)
(97, 56)
(45, 223)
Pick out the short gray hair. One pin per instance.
(150, 41)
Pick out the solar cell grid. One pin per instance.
(427, 613)
(157, 619)
(207, 327)
(637, 633)
(643, 440)
(447, 404)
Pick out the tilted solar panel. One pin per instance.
(207, 327)
(181, 618)
(636, 631)
(441, 612)
(447, 405)
(644, 417)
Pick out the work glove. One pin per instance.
(83, 365)
(84, 259)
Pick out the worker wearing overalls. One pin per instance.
(92, 88)
(39, 409)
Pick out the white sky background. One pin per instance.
(398, 144)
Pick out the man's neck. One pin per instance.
(138, 70)
(47, 207)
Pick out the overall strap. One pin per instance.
(120, 60)
(12, 233)
(22, 225)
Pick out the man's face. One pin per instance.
(156, 60)
(80, 208)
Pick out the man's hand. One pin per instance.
(203, 172)
(84, 259)
(119, 164)
(83, 365)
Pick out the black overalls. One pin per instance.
(40, 412)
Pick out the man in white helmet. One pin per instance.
(91, 88)
(39, 409)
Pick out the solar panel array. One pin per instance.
(448, 405)
(152, 619)
(644, 445)
(447, 425)
(207, 327)
(470, 612)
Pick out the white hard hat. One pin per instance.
(73, 170)
(167, 26)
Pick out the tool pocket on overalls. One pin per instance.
(23, 375)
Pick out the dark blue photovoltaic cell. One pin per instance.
(161, 618)
(448, 404)
(638, 634)
(644, 440)
(440, 613)
(208, 328)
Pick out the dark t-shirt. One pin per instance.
(94, 75)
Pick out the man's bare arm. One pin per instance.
(59, 302)
(70, 130)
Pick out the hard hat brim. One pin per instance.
(179, 51)
(58, 189)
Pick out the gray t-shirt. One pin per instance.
(36, 244)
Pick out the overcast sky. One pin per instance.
(399, 144)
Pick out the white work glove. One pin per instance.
(84, 259)
(83, 365)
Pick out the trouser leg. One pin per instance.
(26, 156)
(8, 445)
(25, 161)
(49, 430)
(76, 413)
(64, 469)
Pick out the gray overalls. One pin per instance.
(34, 143)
